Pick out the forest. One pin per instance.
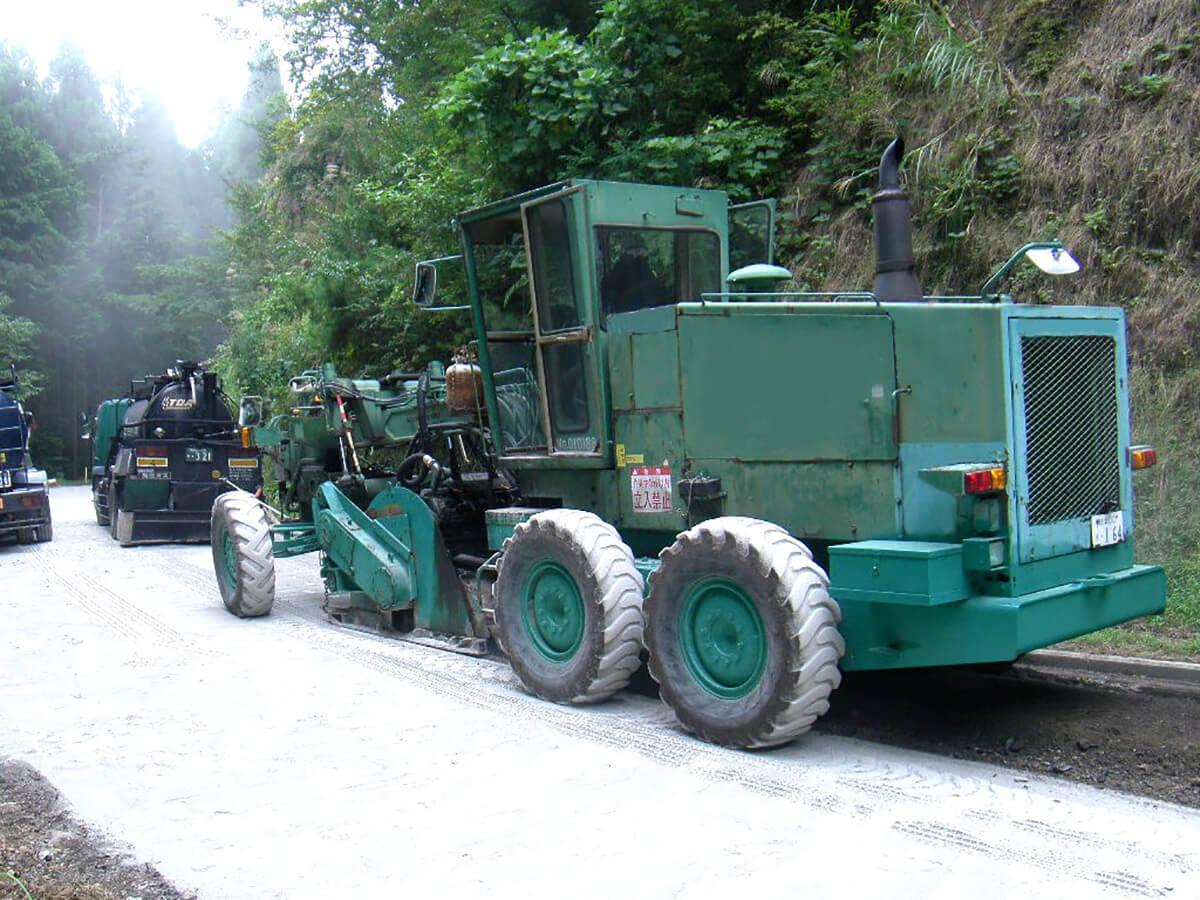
(290, 238)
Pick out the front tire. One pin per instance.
(742, 633)
(243, 555)
(569, 607)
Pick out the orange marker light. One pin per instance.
(984, 480)
(1142, 457)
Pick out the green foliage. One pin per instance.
(1148, 87)
(531, 100)
(733, 155)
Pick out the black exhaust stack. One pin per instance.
(895, 268)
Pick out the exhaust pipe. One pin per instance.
(895, 268)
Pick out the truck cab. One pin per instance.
(24, 493)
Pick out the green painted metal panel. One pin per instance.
(620, 371)
(650, 453)
(932, 514)
(799, 384)
(655, 370)
(836, 501)
(993, 629)
(952, 355)
(915, 573)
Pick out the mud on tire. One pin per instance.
(242, 554)
(742, 633)
(569, 607)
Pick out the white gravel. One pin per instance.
(286, 757)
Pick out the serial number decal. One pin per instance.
(651, 488)
(584, 443)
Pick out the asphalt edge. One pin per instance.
(1181, 673)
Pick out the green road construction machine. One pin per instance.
(652, 452)
(162, 454)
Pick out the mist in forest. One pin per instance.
(113, 261)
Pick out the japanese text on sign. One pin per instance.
(651, 489)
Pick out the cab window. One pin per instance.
(643, 267)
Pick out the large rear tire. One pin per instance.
(569, 607)
(100, 503)
(242, 554)
(742, 633)
(44, 532)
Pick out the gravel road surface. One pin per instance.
(286, 757)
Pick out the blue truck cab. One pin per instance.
(24, 490)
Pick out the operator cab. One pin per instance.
(547, 269)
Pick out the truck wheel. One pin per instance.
(742, 633)
(243, 554)
(569, 607)
(45, 532)
(102, 517)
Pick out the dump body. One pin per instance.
(162, 454)
(24, 497)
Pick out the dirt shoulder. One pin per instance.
(47, 854)
(1107, 732)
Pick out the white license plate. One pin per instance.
(1108, 529)
(5, 478)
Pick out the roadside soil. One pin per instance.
(47, 854)
(1108, 732)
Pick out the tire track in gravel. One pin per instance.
(490, 685)
(777, 779)
(1059, 860)
(112, 610)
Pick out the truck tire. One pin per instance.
(243, 555)
(742, 633)
(569, 607)
(101, 513)
(44, 532)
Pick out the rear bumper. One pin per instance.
(995, 629)
(16, 515)
(163, 525)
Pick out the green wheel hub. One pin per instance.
(553, 612)
(722, 638)
(229, 556)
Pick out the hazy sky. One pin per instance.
(176, 50)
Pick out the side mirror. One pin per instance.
(1049, 256)
(250, 412)
(27, 415)
(85, 427)
(425, 285)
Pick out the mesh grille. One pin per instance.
(1070, 427)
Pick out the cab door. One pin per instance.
(556, 231)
